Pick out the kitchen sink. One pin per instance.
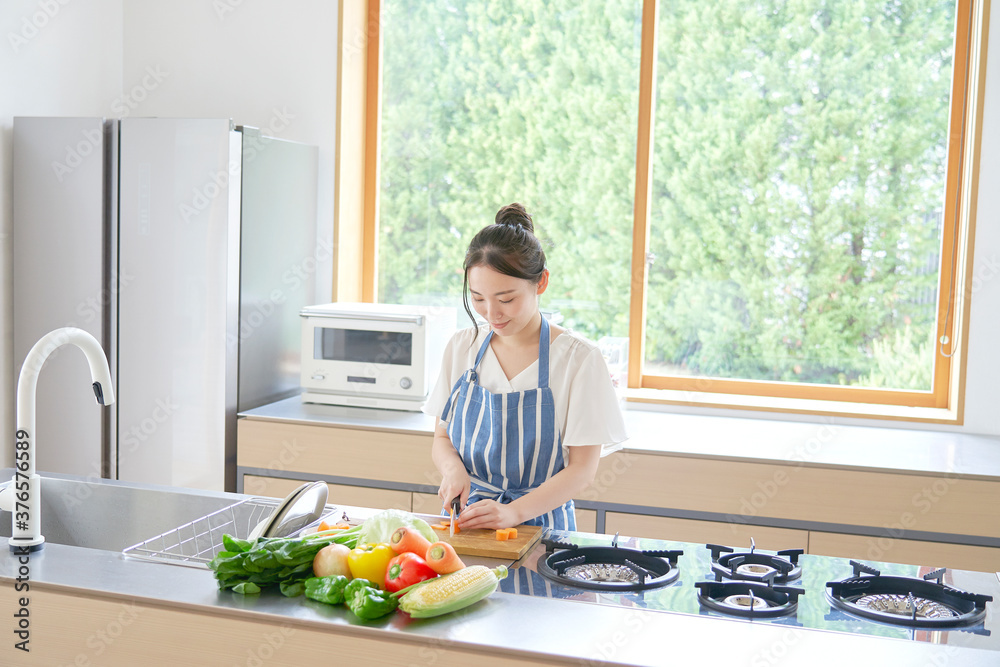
(110, 515)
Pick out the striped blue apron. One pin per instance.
(509, 442)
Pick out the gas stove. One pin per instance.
(788, 587)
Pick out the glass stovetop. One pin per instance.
(814, 608)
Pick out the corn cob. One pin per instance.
(451, 592)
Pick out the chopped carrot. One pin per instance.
(502, 534)
(512, 533)
(437, 526)
(323, 525)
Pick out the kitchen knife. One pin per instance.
(454, 511)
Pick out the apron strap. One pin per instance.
(543, 354)
(473, 372)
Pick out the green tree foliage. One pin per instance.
(798, 170)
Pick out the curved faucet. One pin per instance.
(25, 519)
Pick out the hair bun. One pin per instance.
(516, 216)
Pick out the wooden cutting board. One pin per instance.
(484, 542)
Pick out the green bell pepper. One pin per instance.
(326, 589)
(370, 602)
(354, 587)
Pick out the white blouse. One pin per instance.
(586, 406)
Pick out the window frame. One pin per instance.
(356, 228)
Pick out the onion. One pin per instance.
(331, 560)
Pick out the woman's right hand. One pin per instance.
(455, 483)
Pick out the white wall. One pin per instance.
(273, 65)
(56, 59)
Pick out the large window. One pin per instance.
(764, 198)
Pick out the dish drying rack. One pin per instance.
(197, 542)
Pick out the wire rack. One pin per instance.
(197, 542)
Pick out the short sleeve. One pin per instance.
(452, 366)
(593, 411)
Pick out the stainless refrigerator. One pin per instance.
(187, 247)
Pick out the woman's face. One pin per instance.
(507, 303)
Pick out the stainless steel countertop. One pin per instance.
(826, 444)
(559, 630)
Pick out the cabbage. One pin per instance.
(378, 528)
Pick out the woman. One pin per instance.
(526, 408)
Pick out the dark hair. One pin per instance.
(508, 246)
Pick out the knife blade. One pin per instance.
(454, 510)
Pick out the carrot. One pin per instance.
(323, 525)
(502, 534)
(442, 558)
(406, 539)
(438, 526)
(512, 533)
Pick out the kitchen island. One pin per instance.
(86, 606)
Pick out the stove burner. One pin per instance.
(906, 600)
(611, 568)
(755, 570)
(602, 572)
(743, 601)
(748, 599)
(781, 567)
(905, 605)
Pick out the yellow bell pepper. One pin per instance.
(370, 561)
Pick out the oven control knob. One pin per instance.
(318, 376)
(405, 383)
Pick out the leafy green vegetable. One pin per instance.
(380, 527)
(246, 588)
(248, 567)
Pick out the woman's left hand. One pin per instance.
(488, 514)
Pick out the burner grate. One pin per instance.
(608, 568)
(916, 602)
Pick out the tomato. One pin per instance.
(405, 570)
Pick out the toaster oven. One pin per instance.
(372, 354)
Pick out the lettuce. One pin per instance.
(380, 527)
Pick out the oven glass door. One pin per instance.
(363, 346)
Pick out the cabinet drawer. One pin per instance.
(586, 521)
(340, 494)
(912, 552)
(393, 457)
(705, 532)
(426, 503)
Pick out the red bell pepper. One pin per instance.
(405, 570)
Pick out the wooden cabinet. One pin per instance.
(895, 550)
(705, 532)
(867, 514)
(340, 494)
